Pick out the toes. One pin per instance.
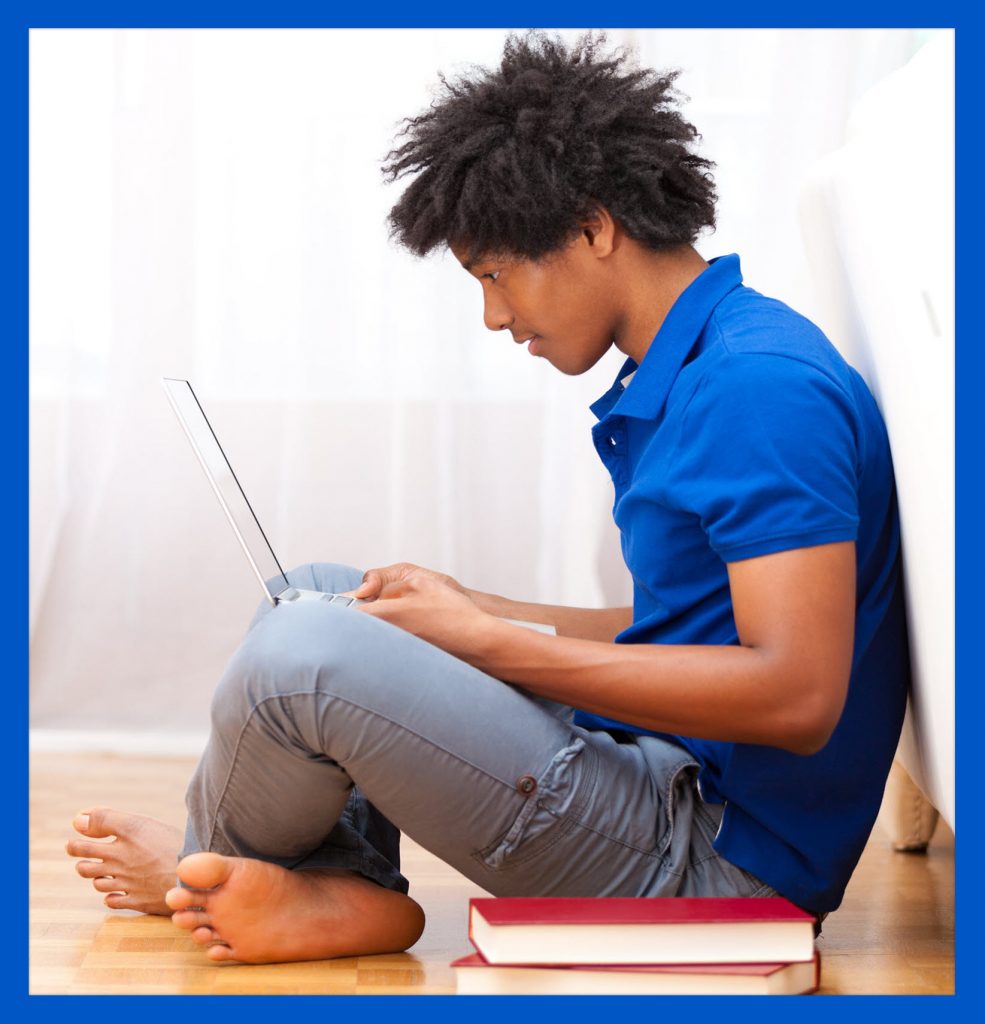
(189, 919)
(91, 868)
(185, 899)
(219, 951)
(205, 870)
(99, 822)
(120, 901)
(204, 936)
(87, 848)
(107, 885)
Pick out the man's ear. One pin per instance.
(599, 232)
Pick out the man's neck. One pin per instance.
(654, 282)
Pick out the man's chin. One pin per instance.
(570, 368)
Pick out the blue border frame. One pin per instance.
(19, 17)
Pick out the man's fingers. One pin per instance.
(376, 581)
(370, 587)
(397, 588)
(382, 609)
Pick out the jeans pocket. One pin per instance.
(549, 812)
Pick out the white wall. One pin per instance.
(209, 204)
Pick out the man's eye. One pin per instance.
(493, 274)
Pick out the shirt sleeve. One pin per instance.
(768, 457)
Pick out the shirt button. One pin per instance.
(526, 784)
(612, 442)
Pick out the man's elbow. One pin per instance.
(811, 724)
(810, 742)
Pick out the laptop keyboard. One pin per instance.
(338, 599)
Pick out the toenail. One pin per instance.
(81, 822)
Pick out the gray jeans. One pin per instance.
(333, 732)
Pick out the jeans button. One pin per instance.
(526, 784)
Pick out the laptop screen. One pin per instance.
(226, 486)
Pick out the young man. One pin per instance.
(730, 734)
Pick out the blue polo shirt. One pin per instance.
(742, 433)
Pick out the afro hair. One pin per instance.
(511, 161)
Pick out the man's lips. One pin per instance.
(534, 340)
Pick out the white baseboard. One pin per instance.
(148, 744)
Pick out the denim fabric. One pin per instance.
(333, 732)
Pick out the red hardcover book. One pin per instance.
(640, 930)
(477, 977)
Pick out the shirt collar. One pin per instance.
(654, 377)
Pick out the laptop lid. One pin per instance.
(227, 489)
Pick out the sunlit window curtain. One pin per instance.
(209, 204)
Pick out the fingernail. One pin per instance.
(81, 822)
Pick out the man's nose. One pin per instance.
(495, 314)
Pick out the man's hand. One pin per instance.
(374, 580)
(422, 603)
(587, 623)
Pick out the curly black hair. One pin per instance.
(510, 161)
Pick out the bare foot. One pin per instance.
(137, 867)
(260, 913)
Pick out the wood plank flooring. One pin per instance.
(894, 933)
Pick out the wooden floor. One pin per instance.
(894, 933)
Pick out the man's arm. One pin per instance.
(784, 685)
(587, 623)
(602, 624)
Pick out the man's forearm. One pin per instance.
(584, 623)
(730, 693)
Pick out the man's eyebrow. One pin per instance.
(473, 261)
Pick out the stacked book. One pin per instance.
(638, 946)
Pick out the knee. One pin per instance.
(327, 577)
(296, 648)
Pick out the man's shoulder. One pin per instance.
(750, 334)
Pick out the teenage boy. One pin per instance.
(730, 734)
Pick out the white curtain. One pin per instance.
(209, 204)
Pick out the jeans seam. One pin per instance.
(666, 804)
(345, 700)
(605, 835)
(650, 855)
(655, 854)
(225, 785)
(565, 826)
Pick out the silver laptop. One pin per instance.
(238, 511)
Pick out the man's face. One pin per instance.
(560, 302)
